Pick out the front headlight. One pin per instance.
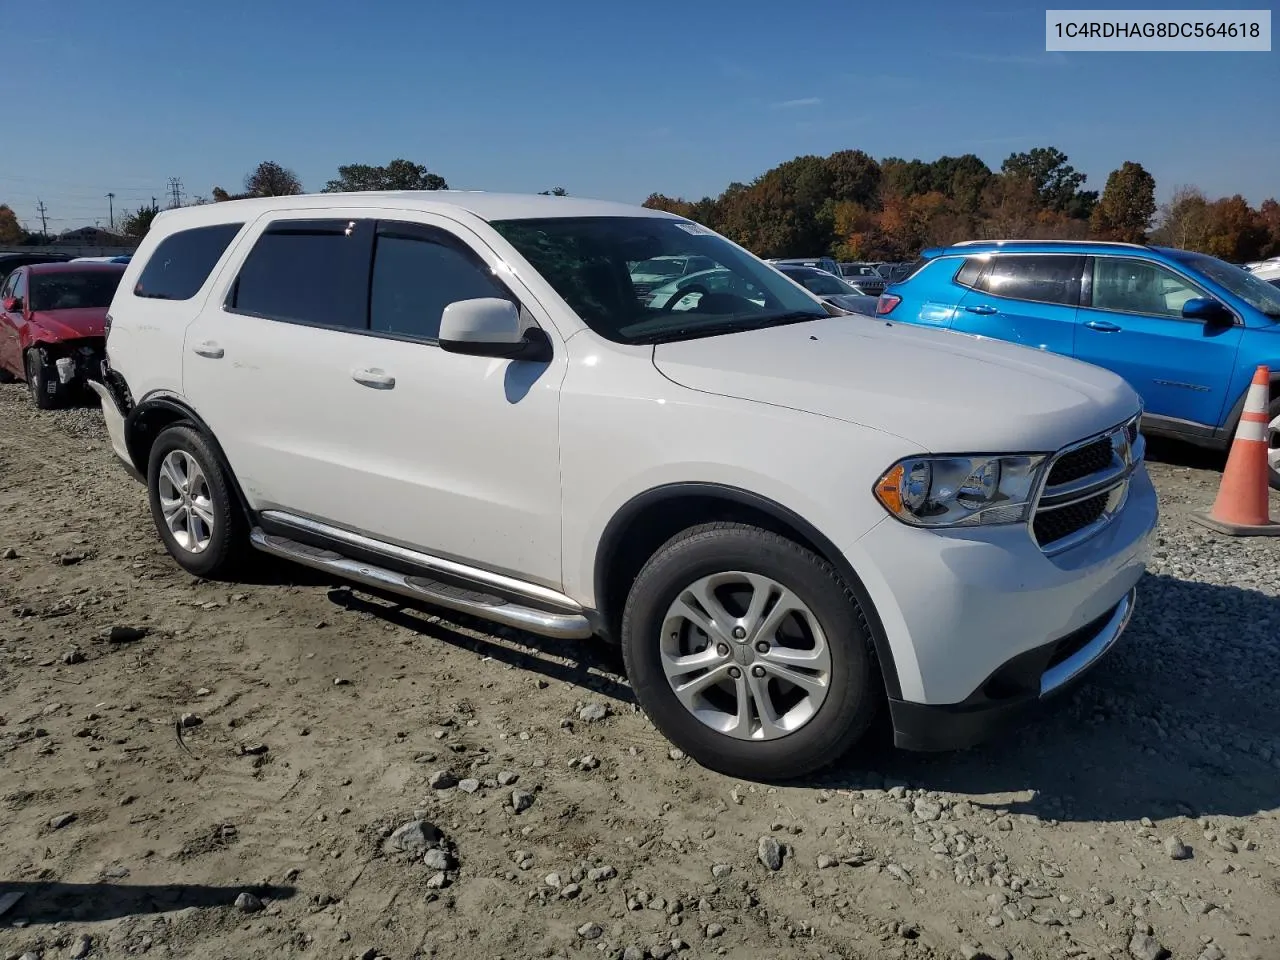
(960, 491)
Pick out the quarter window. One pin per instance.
(1130, 285)
(181, 263)
(417, 272)
(1043, 279)
(308, 271)
(969, 274)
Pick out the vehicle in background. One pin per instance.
(656, 271)
(784, 516)
(10, 262)
(1185, 329)
(865, 276)
(825, 264)
(53, 326)
(823, 285)
(1267, 270)
(117, 259)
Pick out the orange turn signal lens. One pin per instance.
(889, 490)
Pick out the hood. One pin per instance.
(944, 392)
(71, 324)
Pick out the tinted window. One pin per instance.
(1130, 285)
(1044, 279)
(971, 271)
(181, 263)
(6, 288)
(308, 271)
(1252, 290)
(67, 290)
(417, 272)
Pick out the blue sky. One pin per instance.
(611, 100)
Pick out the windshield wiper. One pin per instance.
(732, 326)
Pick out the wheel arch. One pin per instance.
(1226, 433)
(649, 519)
(152, 415)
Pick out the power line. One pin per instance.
(175, 192)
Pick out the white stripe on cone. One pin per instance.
(1252, 430)
(1256, 401)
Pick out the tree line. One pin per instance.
(853, 207)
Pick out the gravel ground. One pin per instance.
(288, 768)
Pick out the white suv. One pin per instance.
(785, 518)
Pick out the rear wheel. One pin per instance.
(749, 652)
(42, 388)
(1273, 443)
(192, 504)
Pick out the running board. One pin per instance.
(486, 606)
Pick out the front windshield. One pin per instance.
(820, 283)
(1256, 293)
(66, 290)
(585, 259)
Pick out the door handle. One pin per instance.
(375, 378)
(1102, 326)
(981, 308)
(209, 349)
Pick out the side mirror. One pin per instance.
(491, 327)
(13, 304)
(1207, 310)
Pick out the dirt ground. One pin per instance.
(167, 745)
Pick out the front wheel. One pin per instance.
(39, 384)
(192, 504)
(749, 652)
(1273, 443)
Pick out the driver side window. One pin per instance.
(1129, 285)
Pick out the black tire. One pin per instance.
(37, 369)
(856, 689)
(228, 542)
(1273, 412)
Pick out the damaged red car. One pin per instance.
(53, 326)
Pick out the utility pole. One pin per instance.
(111, 211)
(44, 217)
(175, 192)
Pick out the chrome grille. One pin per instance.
(1086, 485)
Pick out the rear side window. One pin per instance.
(909, 271)
(971, 272)
(181, 263)
(1043, 279)
(417, 272)
(308, 271)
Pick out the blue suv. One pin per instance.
(1186, 330)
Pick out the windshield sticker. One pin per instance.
(696, 229)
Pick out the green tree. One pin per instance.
(1184, 220)
(1236, 232)
(137, 224)
(1056, 181)
(1127, 205)
(397, 175)
(854, 177)
(554, 192)
(961, 179)
(269, 179)
(11, 232)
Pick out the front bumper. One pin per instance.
(982, 624)
(1014, 692)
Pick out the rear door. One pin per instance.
(1131, 323)
(1029, 299)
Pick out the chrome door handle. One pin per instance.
(375, 378)
(209, 349)
(982, 309)
(1102, 326)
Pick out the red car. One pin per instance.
(53, 326)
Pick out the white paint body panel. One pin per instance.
(519, 469)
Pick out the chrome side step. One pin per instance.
(486, 606)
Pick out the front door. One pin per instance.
(11, 322)
(1131, 323)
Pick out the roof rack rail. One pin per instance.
(1097, 243)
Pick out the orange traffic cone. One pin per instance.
(1242, 508)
